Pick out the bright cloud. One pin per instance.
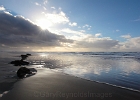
(73, 34)
(131, 44)
(117, 30)
(36, 3)
(7, 12)
(2, 8)
(98, 34)
(53, 7)
(45, 2)
(90, 42)
(86, 25)
(48, 20)
(73, 24)
(57, 17)
(67, 30)
(97, 44)
(126, 36)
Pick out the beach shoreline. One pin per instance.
(48, 84)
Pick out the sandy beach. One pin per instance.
(51, 85)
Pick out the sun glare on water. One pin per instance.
(44, 24)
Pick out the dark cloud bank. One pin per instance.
(16, 31)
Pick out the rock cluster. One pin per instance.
(22, 61)
(23, 71)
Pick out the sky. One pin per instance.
(70, 25)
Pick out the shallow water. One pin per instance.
(118, 69)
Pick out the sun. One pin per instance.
(44, 24)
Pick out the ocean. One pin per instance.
(119, 69)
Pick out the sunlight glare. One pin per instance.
(43, 55)
(44, 24)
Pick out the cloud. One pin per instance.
(137, 20)
(90, 42)
(53, 7)
(7, 12)
(44, 8)
(126, 36)
(97, 44)
(98, 34)
(117, 30)
(60, 8)
(83, 31)
(45, 2)
(2, 8)
(88, 29)
(57, 17)
(67, 30)
(73, 24)
(86, 25)
(130, 45)
(78, 35)
(16, 31)
(36, 3)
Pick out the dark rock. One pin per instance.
(28, 54)
(23, 71)
(22, 61)
(26, 72)
(19, 62)
(23, 57)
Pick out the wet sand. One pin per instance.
(51, 85)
